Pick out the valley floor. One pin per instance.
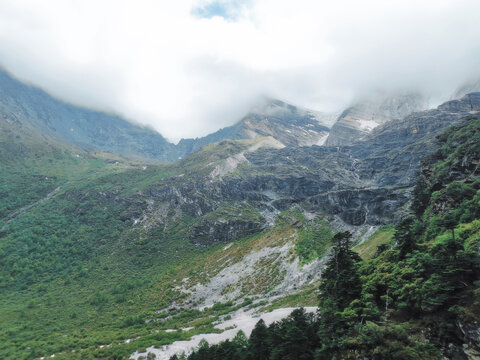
(243, 320)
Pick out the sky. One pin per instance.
(190, 67)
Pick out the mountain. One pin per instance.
(368, 306)
(361, 118)
(80, 126)
(125, 252)
(102, 256)
(291, 125)
(464, 89)
(92, 130)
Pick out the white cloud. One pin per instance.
(162, 63)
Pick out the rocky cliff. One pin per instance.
(361, 118)
(366, 184)
(291, 125)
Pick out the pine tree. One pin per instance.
(340, 286)
(340, 279)
(404, 238)
(259, 347)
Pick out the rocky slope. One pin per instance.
(467, 88)
(361, 118)
(291, 125)
(236, 188)
(235, 219)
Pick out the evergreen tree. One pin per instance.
(340, 286)
(240, 344)
(259, 344)
(298, 338)
(340, 279)
(404, 238)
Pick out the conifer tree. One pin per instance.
(340, 286)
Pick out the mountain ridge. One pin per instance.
(92, 129)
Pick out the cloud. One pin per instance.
(190, 67)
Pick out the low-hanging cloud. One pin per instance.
(190, 67)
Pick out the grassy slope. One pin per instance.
(74, 276)
(382, 236)
(106, 302)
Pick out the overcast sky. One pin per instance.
(190, 67)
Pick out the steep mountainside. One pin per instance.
(361, 118)
(415, 298)
(94, 130)
(35, 165)
(290, 125)
(112, 256)
(469, 87)
(85, 128)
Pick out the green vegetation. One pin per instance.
(412, 297)
(90, 279)
(291, 338)
(313, 241)
(380, 239)
(77, 273)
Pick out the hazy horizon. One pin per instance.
(192, 67)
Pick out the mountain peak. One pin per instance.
(362, 117)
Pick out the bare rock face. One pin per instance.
(366, 184)
(360, 119)
(291, 125)
(286, 123)
(467, 88)
(468, 103)
(209, 231)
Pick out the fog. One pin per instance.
(189, 67)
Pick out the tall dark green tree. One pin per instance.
(296, 337)
(340, 286)
(259, 342)
(404, 238)
(340, 279)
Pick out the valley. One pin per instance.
(106, 250)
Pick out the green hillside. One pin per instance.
(97, 250)
(416, 298)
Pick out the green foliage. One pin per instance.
(313, 241)
(89, 279)
(377, 243)
(340, 286)
(404, 238)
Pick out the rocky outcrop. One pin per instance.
(366, 184)
(360, 119)
(286, 123)
(468, 103)
(209, 231)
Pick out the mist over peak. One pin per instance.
(189, 68)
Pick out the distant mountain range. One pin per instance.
(98, 130)
(288, 124)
